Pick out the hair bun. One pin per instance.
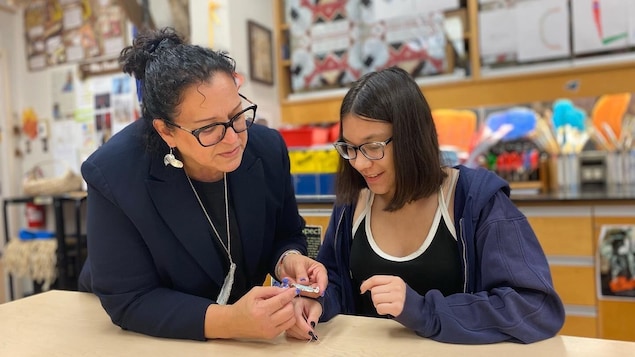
(152, 46)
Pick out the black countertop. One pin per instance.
(624, 193)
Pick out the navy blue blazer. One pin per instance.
(152, 259)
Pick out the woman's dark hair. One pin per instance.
(164, 65)
(392, 95)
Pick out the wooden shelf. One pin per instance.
(504, 90)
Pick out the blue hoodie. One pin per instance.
(508, 293)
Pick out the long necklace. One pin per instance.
(223, 296)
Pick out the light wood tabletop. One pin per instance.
(65, 323)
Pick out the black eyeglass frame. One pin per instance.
(342, 148)
(230, 123)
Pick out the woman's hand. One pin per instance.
(306, 271)
(387, 292)
(264, 312)
(307, 314)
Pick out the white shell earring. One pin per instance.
(170, 159)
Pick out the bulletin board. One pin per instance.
(69, 31)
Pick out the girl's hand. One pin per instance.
(387, 292)
(307, 314)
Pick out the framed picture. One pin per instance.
(260, 44)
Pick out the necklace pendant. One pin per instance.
(223, 296)
(226, 289)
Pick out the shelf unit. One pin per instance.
(571, 78)
(71, 252)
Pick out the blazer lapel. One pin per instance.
(247, 192)
(168, 185)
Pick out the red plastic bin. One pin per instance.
(305, 136)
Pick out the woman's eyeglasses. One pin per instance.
(372, 151)
(212, 134)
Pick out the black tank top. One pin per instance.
(438, 267)
(213, 198)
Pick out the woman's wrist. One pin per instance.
(278, 269)
(218, 322)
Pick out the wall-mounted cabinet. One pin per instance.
(466, 81)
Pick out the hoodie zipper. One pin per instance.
(337, 234)
(463, 255)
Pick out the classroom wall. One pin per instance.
(26, 88)
(230, 34)
(264, 95)
(32, 88)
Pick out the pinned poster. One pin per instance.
(599, 25)
(497, 31)
(63, 94)
(543, 30)
(313, 235)
(616, 262)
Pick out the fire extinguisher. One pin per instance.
(35, 215)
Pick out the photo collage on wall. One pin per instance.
(69, 31)
(114, 107)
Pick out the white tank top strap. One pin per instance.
(444, 203)
(368, 196)
(454, 177)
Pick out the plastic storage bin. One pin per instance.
(314, 184)
(305, 136)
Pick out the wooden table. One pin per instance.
(65, 323)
